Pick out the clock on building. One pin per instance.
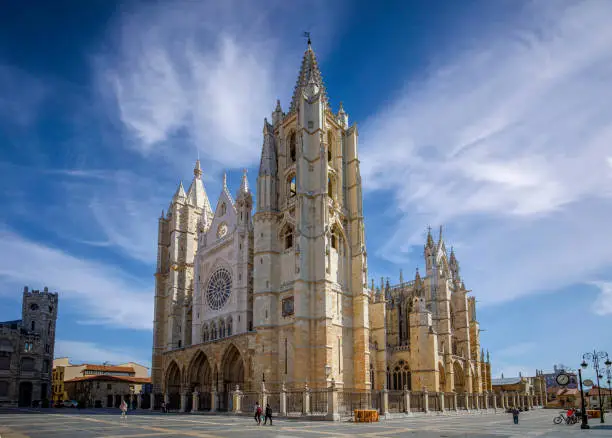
(563, 379)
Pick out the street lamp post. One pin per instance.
(608, 364)
(595, 357)
(585, 420)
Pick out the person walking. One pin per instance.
(257, 413)
(268, 414)
(123, 408)
(515, 415)
(163, 407)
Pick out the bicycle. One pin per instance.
(562, 417)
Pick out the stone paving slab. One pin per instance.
(68, 423)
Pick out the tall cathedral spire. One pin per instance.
(309, 73)
(196, 195)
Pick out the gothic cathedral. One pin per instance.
(275, 290)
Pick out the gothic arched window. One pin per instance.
(287, 236)
(223, 209)
(222, 329)
(372, 374)
(292, 186)
(292, 148)
(329, 146)
(229, 326)
(330, 190)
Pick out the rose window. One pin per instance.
(219, 288)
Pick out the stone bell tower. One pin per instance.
(310, 269)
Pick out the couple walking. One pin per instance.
(258, 412)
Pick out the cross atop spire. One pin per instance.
(309, 73)
(244, 185)
(197, 170)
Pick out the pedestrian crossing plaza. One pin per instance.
(68, 423)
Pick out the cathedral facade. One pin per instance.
(274, 288)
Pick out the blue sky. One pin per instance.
(490, 118)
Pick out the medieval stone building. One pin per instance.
(276, 291)
(26, 350)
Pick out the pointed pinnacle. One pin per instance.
(197, 170)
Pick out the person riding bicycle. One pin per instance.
(570, 414)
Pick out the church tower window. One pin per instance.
(329, 146)
(292, 148)
(223, 209)
(288, 236)
(292, 187)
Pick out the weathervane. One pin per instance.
(307, 35)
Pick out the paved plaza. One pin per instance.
(21, 423)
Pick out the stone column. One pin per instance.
(184, 396)
(263, 396)
(441, 401)
(237, 400)
(486, 400)
(406, 399)
(195, 402)
(306, 400)
(494, 401)
(213, 399)
(167, 399)
(283, 401)
(467, 401)
(477, 398)
(139, 401)
(151, 401)
(425, 400)
(332, 402)
(385, 402)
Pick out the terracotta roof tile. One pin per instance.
(108, 377)
(109, 368)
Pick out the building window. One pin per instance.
(288, 236)
(27, 364)
(109, 386)
(179, 344)
(292, 187)
(4, 388)
(330, 188)
(292, 148)
(27, 347)
(223, 209)
(229, 326)
(334, 241)
(329, 146)
(5, 361)
(372, 374)
(33, 325)
(45, 366)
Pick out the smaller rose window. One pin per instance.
(221, 231)
(219, 288)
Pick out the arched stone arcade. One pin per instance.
(173, 385)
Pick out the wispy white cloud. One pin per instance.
(603, 303)
(205, 73)
(515, 130)
(103, 294)
(90, 352)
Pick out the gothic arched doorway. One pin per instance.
(173, 385)
(442, 377)
(459, 379)
(232, 374)
(200, 378)
(25, 394)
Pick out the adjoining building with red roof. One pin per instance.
(99, 385)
